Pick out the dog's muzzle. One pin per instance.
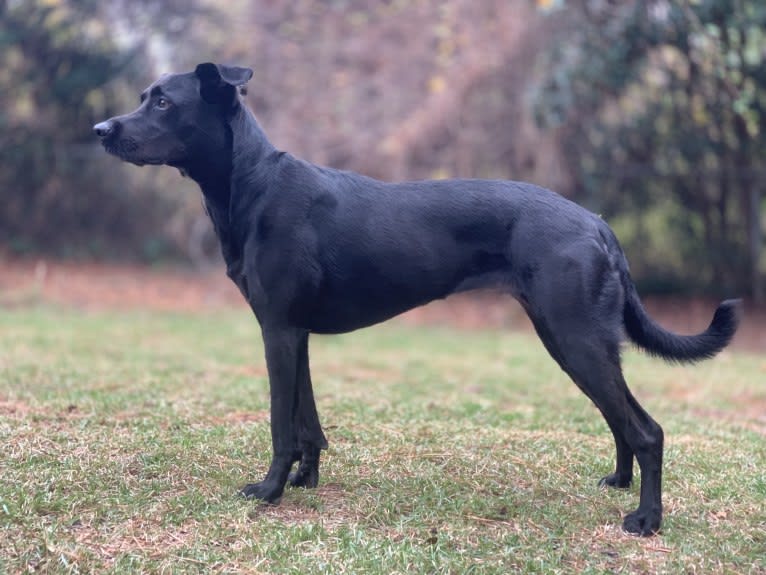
(122, 147)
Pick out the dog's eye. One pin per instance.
(162, 104)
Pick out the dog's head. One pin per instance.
(181, 118)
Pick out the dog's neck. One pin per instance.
(218, 169)
(249, 147)
(212, 172)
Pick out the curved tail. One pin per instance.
(656, 340)
(644, 332)
(647, 334)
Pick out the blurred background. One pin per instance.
(650, 113)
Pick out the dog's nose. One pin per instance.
(103, 129)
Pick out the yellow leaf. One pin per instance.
(437, 84)
(549, 5)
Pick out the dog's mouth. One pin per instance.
(125, 149)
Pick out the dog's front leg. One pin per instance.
(311, 439)
(282, 349)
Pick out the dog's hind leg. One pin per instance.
(577, 313)
(594, 367)
(635, 432)
(644, 438)
(622, 478)
(623, 474)
(311, 439)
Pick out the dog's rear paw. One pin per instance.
(267, 491)
(615, 480)
(643, 523)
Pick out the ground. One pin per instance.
(128, 424)
(104, 286)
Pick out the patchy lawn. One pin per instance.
(125, 435)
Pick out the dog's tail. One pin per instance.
(644, 332)
(657, 341)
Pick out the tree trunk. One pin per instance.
(755, 244)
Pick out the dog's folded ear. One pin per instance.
(232, 75)
(218, 83)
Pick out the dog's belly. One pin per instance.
(341, 318)
(345, 308)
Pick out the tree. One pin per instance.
(663, 106)
(63, 66)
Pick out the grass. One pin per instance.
(124, 437)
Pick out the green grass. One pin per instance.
(124, 438)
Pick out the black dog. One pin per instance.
(319, 250)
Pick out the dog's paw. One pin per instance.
(267, 491)
(304, 477)
(615, 480)
(643, 523)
